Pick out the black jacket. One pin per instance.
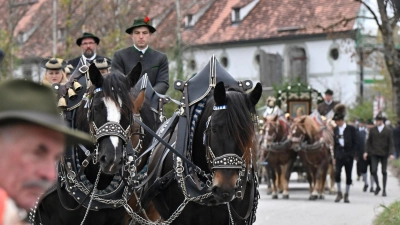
(380, 144)
(154, 63)
(350, 142)
(75, 61)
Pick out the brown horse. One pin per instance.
(278, 153)
(313, 146)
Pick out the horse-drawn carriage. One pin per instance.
(297, 142)
(197, 164)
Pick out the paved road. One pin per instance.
(298, 210)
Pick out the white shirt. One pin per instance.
(341, 130)
(143, 50)
(328, 103)
(380, 128)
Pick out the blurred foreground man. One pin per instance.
(32, 139)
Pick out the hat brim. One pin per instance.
(51, 122)
(130, 29)
(79, 40)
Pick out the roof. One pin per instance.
(270, 19)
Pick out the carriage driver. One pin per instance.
(154, 63)
(328, 105)
(33, 137)
(345, 144)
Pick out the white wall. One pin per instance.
(341, 75)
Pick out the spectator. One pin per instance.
(32, 139)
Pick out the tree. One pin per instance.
(386, 25)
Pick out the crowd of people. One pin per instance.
(154, 63)
(33, 135)
(369, 144)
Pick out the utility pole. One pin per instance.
(179, 63)
(54, 28)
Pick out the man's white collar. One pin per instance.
(143, 50)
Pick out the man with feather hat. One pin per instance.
(345, 144)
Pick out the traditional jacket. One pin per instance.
(362, 138)
(350, 142)
(380, 144)
(154, 63)
(324, 108)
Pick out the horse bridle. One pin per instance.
(226, 161)
(108, 129)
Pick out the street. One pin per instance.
(362, 209)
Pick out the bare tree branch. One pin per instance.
(372, 12)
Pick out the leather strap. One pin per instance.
(249, 209)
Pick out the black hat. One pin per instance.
(53, 64)
(340, 112)
(102, 63)
(87, 35)
(30, 102)
(361, 120)
(140, 23)
(329, 92)
(379, 116)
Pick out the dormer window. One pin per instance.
(189, 20)
(236, 15)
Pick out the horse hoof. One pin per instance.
(274, 196)
(313, 197)
(321, 197)
(285, 196)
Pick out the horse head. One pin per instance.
(110, 109)
(303, 129)
(230, 139)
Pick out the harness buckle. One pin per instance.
(85, 163)
(238, 194)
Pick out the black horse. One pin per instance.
(107, 113)
(224, 148)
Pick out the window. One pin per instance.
(257, 59)
(192, 64)
(334, 53)
(236, 15)
(189, 20)
(224, 61)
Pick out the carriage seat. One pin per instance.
(201, 84)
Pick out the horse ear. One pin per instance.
(220, 94)
(138, 103)
(135, 74)
(255, 94)
(95, 76)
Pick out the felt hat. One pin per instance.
(29, 102)
(379, 116)
(53, 64)
(102, 63)
(68, 69)
(340, 112)
(87, 35)
(329, 92)
(146, 22)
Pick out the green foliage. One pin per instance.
(390, 215)
(363, 110)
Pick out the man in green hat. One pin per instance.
(33, 137)
(154, 63)
(88, 43)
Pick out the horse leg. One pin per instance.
(268, 179)
(332, 190)
(275, 178)
(281, 179)
(285, 177)
(314, 183)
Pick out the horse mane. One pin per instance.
(238, 120)
(112, 89)
(112, 84)
(311, 127)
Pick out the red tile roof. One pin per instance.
(267, 17)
